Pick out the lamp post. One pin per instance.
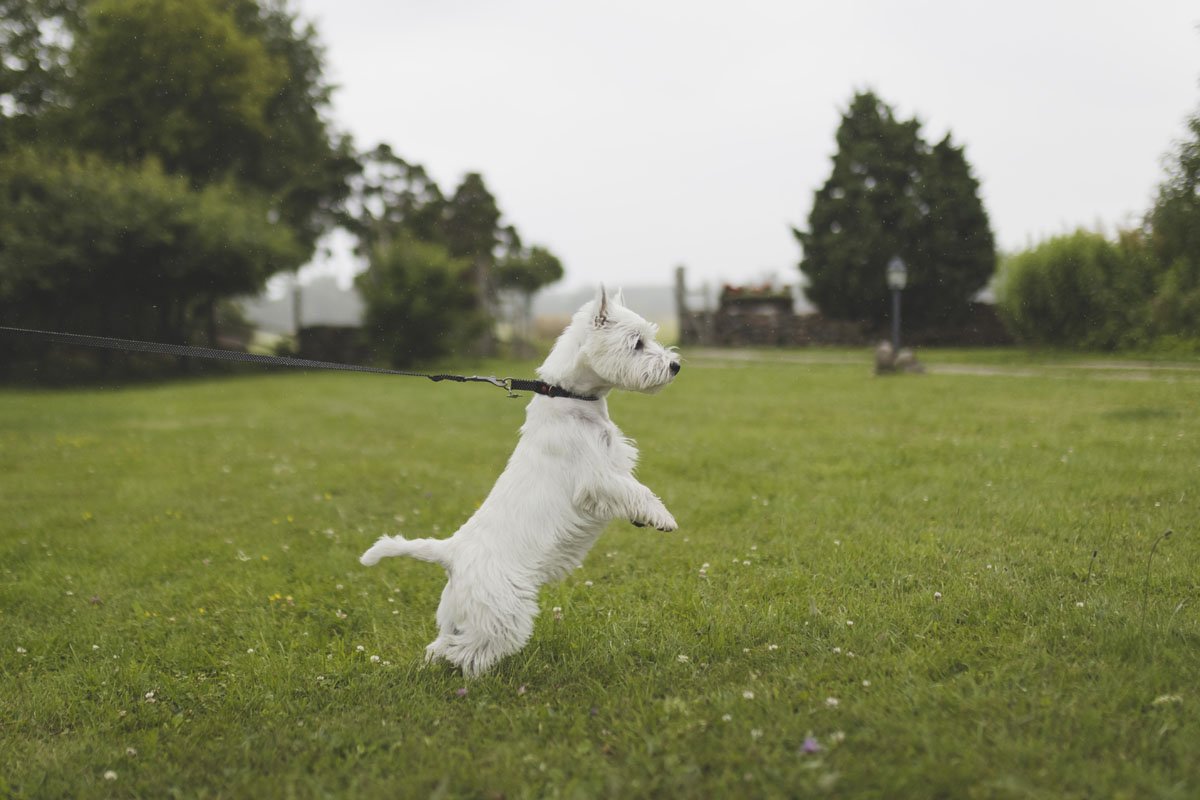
(897, 277)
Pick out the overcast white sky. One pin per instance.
(632, 136)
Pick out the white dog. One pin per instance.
(571, 473)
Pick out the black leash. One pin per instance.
(129, 345)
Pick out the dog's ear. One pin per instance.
(619, 297)
(601, 305)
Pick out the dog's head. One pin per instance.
(621, 349)
(607, 346)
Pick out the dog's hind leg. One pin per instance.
(487, 628)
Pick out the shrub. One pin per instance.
(1080, 290)
(420, 302)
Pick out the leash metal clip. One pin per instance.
(503, 383)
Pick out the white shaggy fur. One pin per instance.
(571, 473)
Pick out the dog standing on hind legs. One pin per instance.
(570, 474)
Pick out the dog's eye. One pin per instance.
(639, 344)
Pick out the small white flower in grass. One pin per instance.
(837, 737)
(21, 650)
(753, 547)
(320, 678)
(937, 595)
(749, 695)
(1079, 604)
(250, 651)
(850, 623)
(866, 684)
(131, 752)
(772, 647)
(727, 717)
(832, 702)
(109, 775)
(756, 733)
(95, 647)
(374, 659)
(558, 612)
(150, 697)
(837, 650)
(360, 649)
(1167, 699)
(682, 659)
(745, 563)
(588, 583)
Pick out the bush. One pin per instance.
(420, 302)
(95, 247)
(1080, 290)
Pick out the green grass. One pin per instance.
(949, 583)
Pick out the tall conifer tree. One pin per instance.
(891, 194)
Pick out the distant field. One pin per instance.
(953, 585)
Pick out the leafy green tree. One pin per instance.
(390, 196)
(420, 301)
(89, 246)
(33, 66)
(144, 87)
(127, 79)
(471, 224)
(890, 194)
(211, 113)
(1174, 223)
(522, 274)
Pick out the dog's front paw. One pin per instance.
(662, 522)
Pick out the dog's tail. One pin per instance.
(423, 549)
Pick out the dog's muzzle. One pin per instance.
(674, 367)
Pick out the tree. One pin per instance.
(225, 147)
(90, 246)
(125, 79)
(1174, 225)
(33, 68)
(390, 196)
(891, 194)
(142, 88)
(522, 274)
(420, 301)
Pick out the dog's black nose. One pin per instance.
(674, 367)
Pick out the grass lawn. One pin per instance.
(943, 586)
